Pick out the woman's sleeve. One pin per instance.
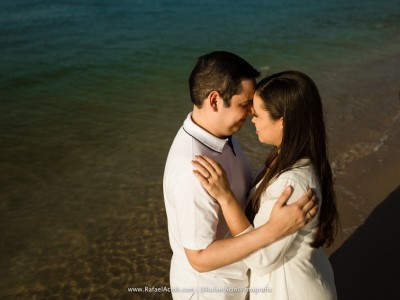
(269, 258)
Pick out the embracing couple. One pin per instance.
(238, 237)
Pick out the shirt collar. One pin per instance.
(204, 137)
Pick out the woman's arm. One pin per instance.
(214, 180)
(284, 220)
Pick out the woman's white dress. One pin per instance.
(291, 268)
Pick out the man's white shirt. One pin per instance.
(195, 220)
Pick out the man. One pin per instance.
(222, 86)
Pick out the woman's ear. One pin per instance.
(281, 123)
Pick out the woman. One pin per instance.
(288, 114)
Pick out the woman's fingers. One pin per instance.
(213, 164)
(203, 180)
(204, 165)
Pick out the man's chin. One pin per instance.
(236, 129)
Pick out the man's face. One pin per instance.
(232, 118)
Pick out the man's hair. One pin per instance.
(220, 71)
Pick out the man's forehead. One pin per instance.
(247, 102)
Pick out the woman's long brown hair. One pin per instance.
(295, 97)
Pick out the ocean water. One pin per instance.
(93, 92)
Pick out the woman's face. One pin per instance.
(269, 131)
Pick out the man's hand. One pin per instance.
(287, 219)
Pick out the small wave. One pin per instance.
(265, 68)
(360, 150)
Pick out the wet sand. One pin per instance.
(365, 255)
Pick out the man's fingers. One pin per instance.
(311, 203)
(305, 199)
(312, 212)
(310, 193)
(284, 197)
(310, 208)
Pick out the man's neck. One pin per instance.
(202, 119)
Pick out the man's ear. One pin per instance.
(213, 98)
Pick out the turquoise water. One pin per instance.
(91, 96)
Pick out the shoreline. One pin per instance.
(368, 170)
(368, 195)
(365, 183)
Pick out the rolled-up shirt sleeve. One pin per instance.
(248, 229)
(197, 213)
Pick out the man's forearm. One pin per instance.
(224, 252)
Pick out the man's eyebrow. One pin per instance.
(247, 102)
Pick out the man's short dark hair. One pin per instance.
(220, 71)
